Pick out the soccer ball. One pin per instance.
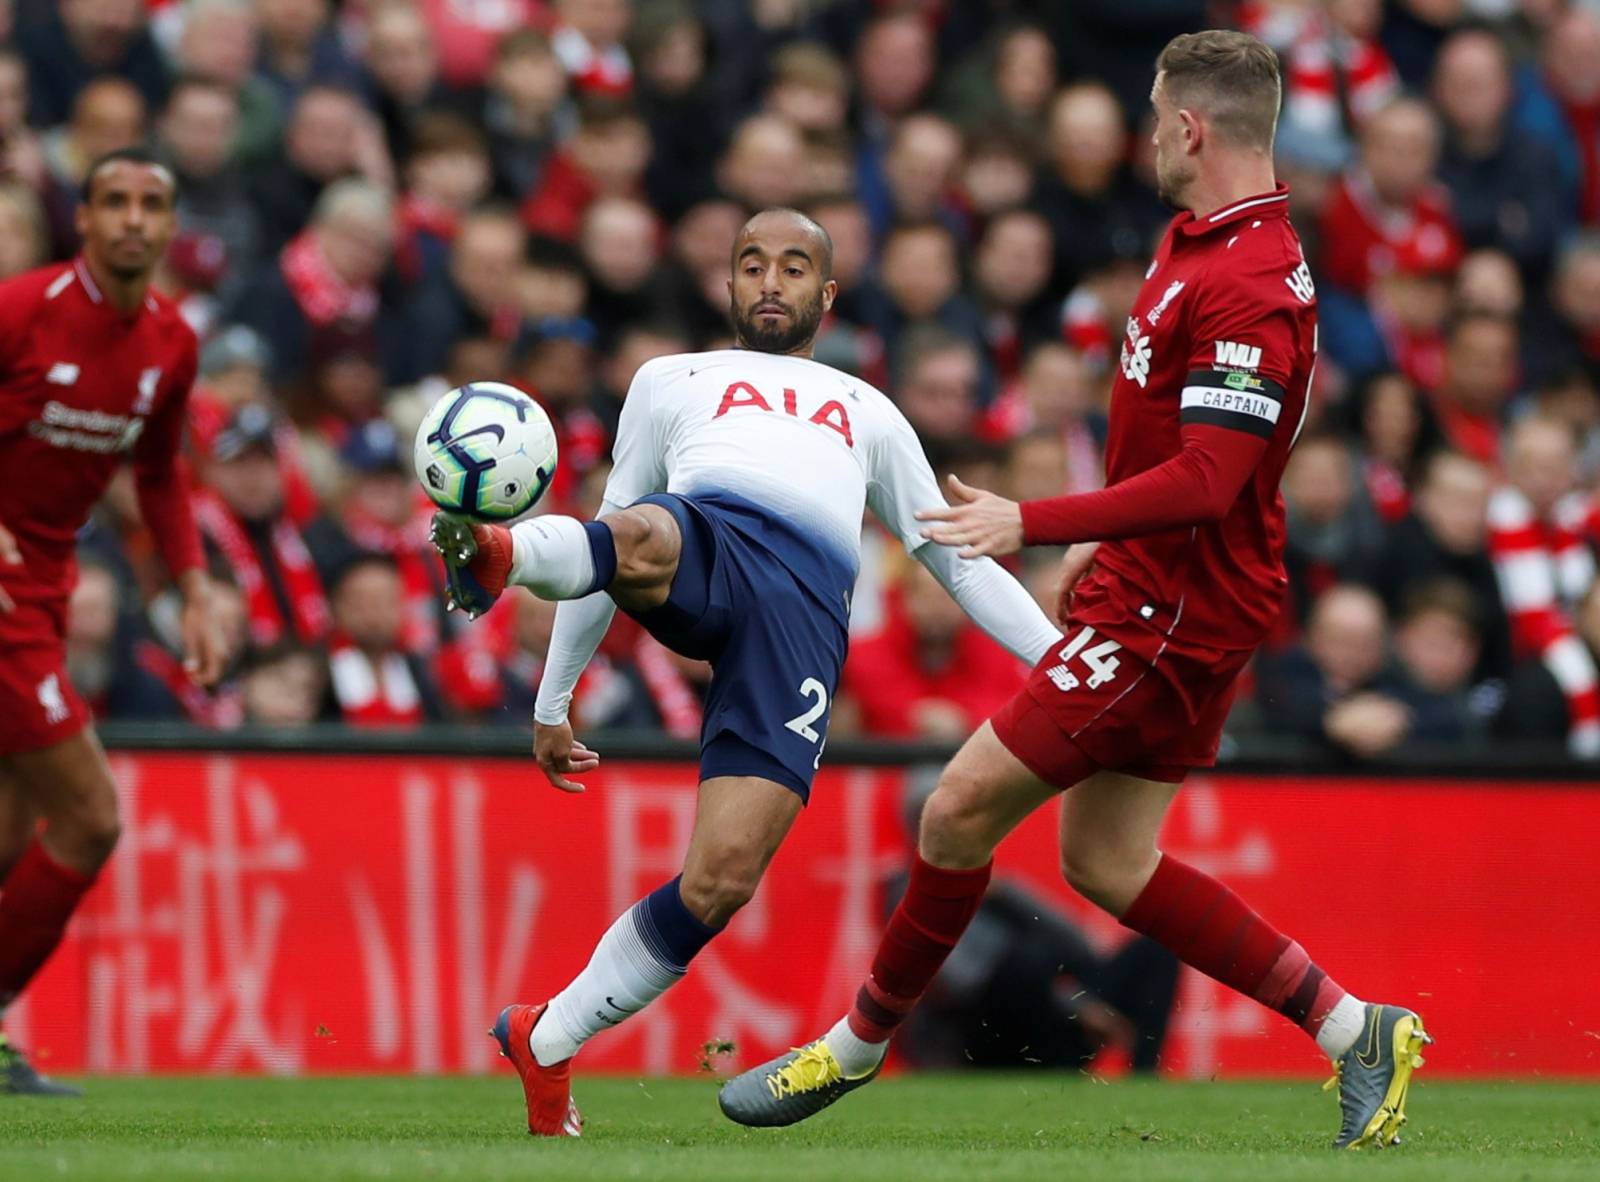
(487, 451)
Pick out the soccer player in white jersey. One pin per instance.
(730, 529)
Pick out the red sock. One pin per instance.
(938, 906)
(37, 899)
(1210, 928)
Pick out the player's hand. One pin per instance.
(979, 522)
(10, 555)
(205, 650)
(1075, 563)
(560, 755)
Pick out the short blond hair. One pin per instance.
(1231, 77)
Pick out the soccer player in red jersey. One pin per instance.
(95, 370)
(1159, 620)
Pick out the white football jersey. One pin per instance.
(787, 433)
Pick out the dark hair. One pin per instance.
(522, 41)
(1442, 595)
(438, 132)
(134, 155)
(1231, 76)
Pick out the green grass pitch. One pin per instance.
(924, 1128)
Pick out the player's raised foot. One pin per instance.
(786, 1090)
(548, 1090)
(1374, 1075)
(477, 561)
(18, 1077)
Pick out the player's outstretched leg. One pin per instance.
(982, 796)
(739, 823)
(632, 553)
(1108, 849)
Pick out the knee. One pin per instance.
(1109, 878)
(720, 882)
(646, 538)
(85, 836)
(956, 830)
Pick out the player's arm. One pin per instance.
(581, 624)
(1227, 418)
(996, 602)
(18, 305)
(164, 503)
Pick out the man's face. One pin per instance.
(484, 262)
(321, 137)
(1014, 260)
(199, 128)
(1578, 290)
(1400, 147)
(1438, 649)
(357, 246)
(386, 496)
(284, 693)
(777, 295)
(1175, 168)
(128, 219)
(368, 606)
(400, 54)
(102, 29)
(1471, 84)
(249, 485)
(109, 115)
(920, 271)
(1454, 502)
(1481, 366)
(941, 398)
(1346, 638)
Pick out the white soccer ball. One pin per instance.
(487, 451)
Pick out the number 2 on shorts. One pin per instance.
(800, 724)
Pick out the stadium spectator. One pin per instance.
(1338, 687)
(1561, 103)
(283, 685)
(22, 155)
(937, 384)
(810, 87)
(1053, 396)
(930, 673)
(997, 176)
(1090, 197)
(1396, 431)
(1008, 82)
(241, 512)
(1505, 189)
(24, 234)
(1537, 707)
(1010, 269)
(1570, 339)
(402, 73)
(919, 170)
(620, 245)
(919, 282)
(220, 42)
(688, 121)
(1444, 538)
(300, 48)
(1480, 376)
(77, 41)
(758, 168)
(198, 130)
(1438, 649)
(634, 345)
(109, 113)
(1389, 199)
(476, 295)
(1488, 281)
(1338, 75)
(329, 137)
(1536, 523)
(524, 109)
(327, 283)
(448, 173)
(588, 40)
(469, 36)
(372, 679)
(1334, 531)
(605, 157)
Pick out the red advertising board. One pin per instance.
(275, 913)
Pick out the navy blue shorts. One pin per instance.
(769, 607)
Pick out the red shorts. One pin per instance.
(1118, 694)
(38, 706)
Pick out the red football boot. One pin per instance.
(552, 1112)
(477, 561)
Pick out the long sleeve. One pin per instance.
(900, 484)
(161, 479)
(994, 600)
(1195, 487)
(581, 624)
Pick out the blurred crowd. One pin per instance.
(385, 198)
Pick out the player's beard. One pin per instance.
(785, 336)
(1172, 183)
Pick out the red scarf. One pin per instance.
(324, 297)
(221, 708)
(373, 692)
(300, 580)
(418, 564)
(1584, 119)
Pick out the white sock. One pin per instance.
(1342, 1026)
(550, 556)
(622, 977)
(855, 1054)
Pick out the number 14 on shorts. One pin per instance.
(1098, 660)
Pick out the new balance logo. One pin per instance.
(53, 700)
(1300, 283)
(1064, 680)
(1233, 355)
(62, 373)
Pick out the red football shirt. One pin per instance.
(83, 387)
(1210, 394)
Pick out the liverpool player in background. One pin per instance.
(1187, 579)
(94, 370)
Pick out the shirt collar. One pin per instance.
(1263, 205)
